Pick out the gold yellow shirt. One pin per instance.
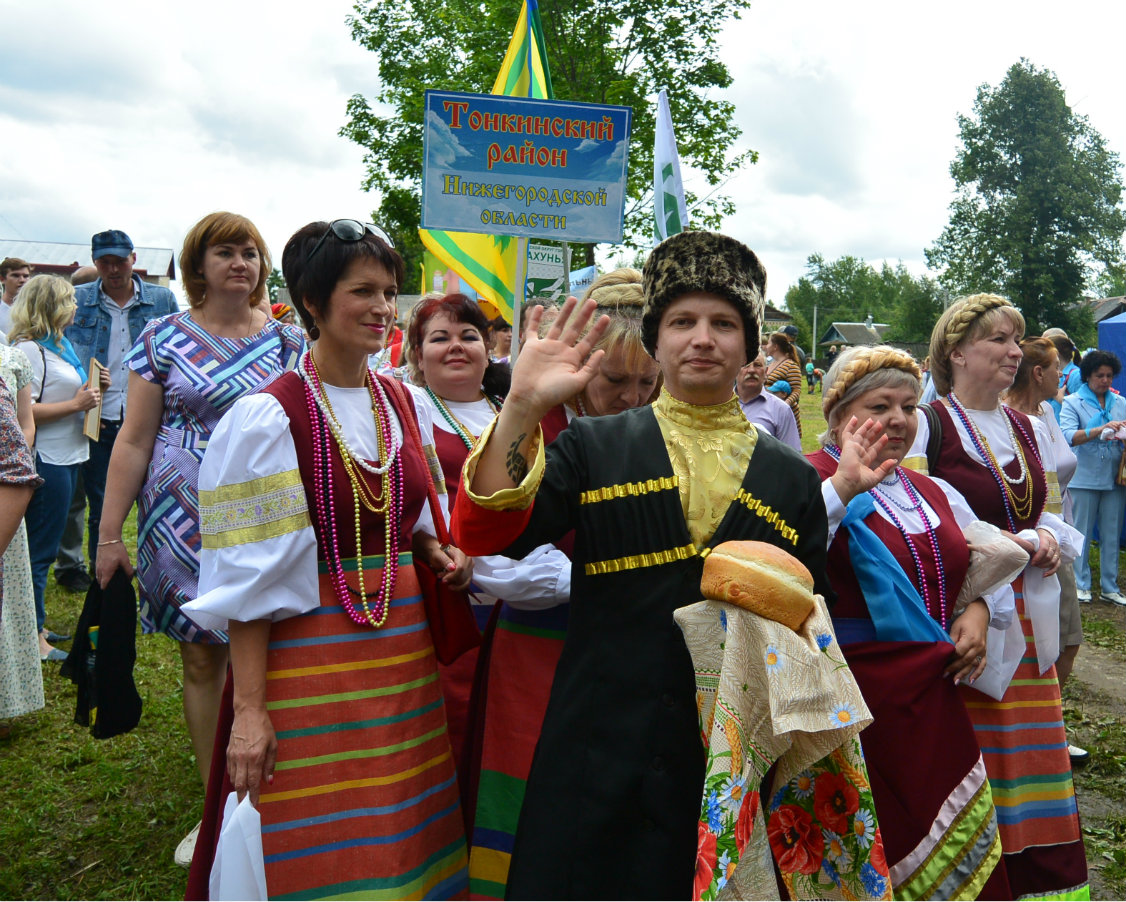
(710, 448)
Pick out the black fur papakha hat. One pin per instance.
(705, 262)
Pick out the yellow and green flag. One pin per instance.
(488, 262)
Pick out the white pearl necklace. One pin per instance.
(338, 431)
(1012, 443)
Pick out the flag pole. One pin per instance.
(518, 293)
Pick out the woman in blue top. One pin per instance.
(1070, 380)
(1090, 419)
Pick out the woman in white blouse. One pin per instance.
(60, 395)
(993, 455)
(313, 499)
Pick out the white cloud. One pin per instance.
(444, 149)
(150, 116)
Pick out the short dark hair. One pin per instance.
(311, 282)
(1096, 359)
(11, 263)
(501, 323)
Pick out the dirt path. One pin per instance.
(1095, 713)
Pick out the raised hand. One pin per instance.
(860, 446)
(555, 368)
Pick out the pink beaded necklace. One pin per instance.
(917, 505)
(325, 436)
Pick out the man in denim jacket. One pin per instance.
(112, 311)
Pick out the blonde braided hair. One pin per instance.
(856, 363)
(616, 289)
(861, 369)
(966, 320)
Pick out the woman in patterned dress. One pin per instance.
(21, 675)
(990, 453)
(314, 507)
(784, 367)
(187, 371)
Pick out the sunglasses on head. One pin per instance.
(350, 230)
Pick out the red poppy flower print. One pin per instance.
(745, 824)
(795, 841)
(834, 799)
(705, 861)
(876, 854)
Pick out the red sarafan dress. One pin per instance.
(933, 798)
(364, 799)
(1022, 736)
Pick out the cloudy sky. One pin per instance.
(149, 116)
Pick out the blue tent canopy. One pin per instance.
(1112, 337)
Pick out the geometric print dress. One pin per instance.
(202, 375)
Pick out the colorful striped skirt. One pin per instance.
(364, 801)
(1025, 748)
(524, 650)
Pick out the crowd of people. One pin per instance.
(422, 577)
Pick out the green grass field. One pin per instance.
(100, 819)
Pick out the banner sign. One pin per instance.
(582, 279)
(522, 167)
(546, 269)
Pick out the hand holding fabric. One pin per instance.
(252, 752)
(968, 633)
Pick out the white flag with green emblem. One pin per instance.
(668, 190)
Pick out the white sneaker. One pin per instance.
(186, 849)
(1084, 596)
(1077, 755)
(1115, 598)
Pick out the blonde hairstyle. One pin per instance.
(863, 369)
(618, 294)
(967, 320)
(42, 308)
(1038, 352)
(220, 228)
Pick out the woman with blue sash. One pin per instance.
(897, 561)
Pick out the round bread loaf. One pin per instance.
(761, 578)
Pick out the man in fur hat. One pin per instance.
(613, 798)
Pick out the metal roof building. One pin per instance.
(154, 264)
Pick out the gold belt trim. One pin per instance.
(769, 514)
(627, 489)
(636, 561)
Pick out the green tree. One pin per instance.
(849, 290)
(274, 281)
(1037, 211)
(599, 51)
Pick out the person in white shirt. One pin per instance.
(60, 397)
(14, 273)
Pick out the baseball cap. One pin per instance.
(112, 241)
(789, 329)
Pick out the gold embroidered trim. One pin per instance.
(769, 514)
(610, 492)
(435, 468)
(252, 511)
(635, 561)
(1053, 504)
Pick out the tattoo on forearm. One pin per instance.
(517, 464)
